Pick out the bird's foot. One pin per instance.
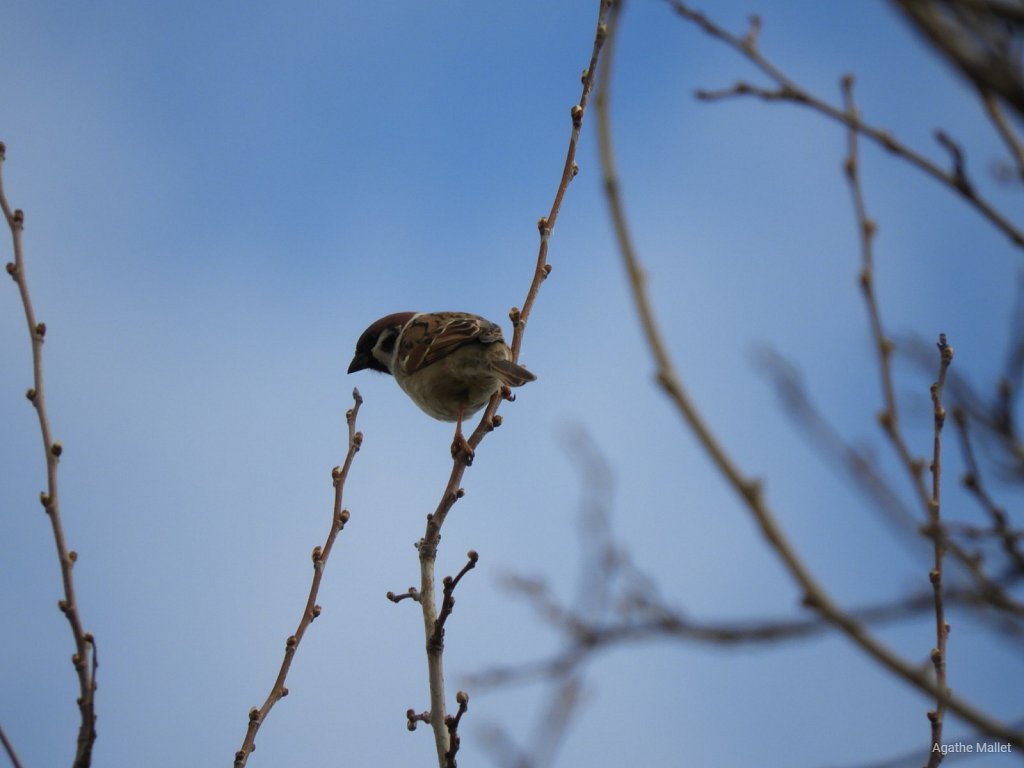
(461, 446)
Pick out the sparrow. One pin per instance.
(448, 363)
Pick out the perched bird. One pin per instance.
(449, 363)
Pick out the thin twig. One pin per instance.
(84, 658)
(938, 655)
(889, 418)
(551, 725)
(831, 443)
(1006, 132)
(490, 419)
(9, 749)
(789, 91)
(974, 483)
(546, 225)
(448, 599)
(339, 517)
(995, 414)
(748, 489)
(869, 480)
(588, 636)
(451, 722)
(977, 37)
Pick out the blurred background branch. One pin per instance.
(981, 38)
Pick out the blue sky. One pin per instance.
(219, 199)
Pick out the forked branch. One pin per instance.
(427, 546)
(788, 90)
(748, 489)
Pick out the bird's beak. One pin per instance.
(359, 363)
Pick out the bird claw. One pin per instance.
(507, 393)
(461, 446)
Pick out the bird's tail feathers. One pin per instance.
(512, 374)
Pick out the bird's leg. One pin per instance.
(460, 443)
(507, 393)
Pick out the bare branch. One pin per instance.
(653, 619)
(410, 594)
(889, 418)
(451, 722)
(1013, 142)
(974, 483)
(84, 658)
(428, 545)
(552, 723)
(339, 518)
(976, 36)
(995, 415)
(789, 91)
(748, 489)
(9, 749)
(856, 462)
(938, 654)
(884, 346)
(448, 600)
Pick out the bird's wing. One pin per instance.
(428, 337)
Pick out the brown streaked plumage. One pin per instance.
(449, 363)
